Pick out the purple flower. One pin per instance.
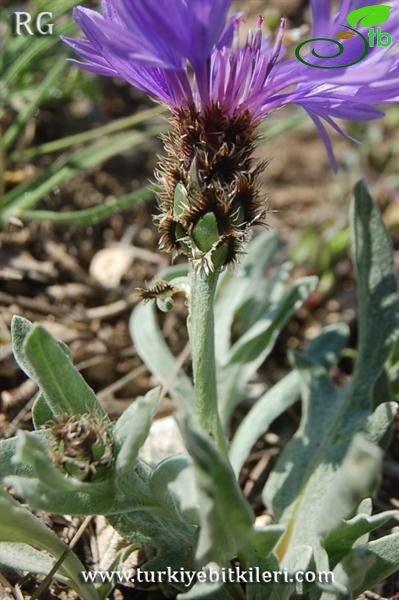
(187, 51)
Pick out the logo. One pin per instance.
(367, 16)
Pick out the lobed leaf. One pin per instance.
(384, 560)
(325, 349)
(340, 540)
(356, 479)
(226, 519)
(306, 469)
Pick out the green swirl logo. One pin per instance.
(367, 16)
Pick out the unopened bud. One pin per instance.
(83, 446)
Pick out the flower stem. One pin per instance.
(202, 337)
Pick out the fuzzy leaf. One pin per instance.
(8, 449)
(300, 457)
(305, 472)
(63, 387)
(19, 525)
(379, 423)
(324, 349)
(356, 479)
(132, 429)
(183, 488)
(384, 560)
(173, 486)
(377, 290)
(340, 540)
(249, 352)
(21, 557)
(154, 352)
(256, 423)
(20, 328)
(225, 516)
(45, 488)
(300, 561)
(237, 290)
(42, 414)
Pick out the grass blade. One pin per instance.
(92, 215)
(29, 194)
(46, 86)
(88, 136)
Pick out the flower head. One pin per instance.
(187, 54)
(82, 446)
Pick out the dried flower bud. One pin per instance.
(83, 446)
(158, 290)
(209, 195)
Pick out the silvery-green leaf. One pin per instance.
(324, 349)
(350, 572)
(132, 429)
(383, 557)
(42, 414)
(19, 525)
(155, 527)
(270, 406)
(376, 290)
(153, 350)
(20, 328)
(306, 469)
(269, 291)
(379, 423)
(8, 448)
(63, 387)
(238, 288)
(340, 540)
(298, 561)
(300, 457)
(250, 351)
(355, 480)
(173, 485)
(46, 488)
(264, 539)
(225, 516)
(22, 557)
(184, 489)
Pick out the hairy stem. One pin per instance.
(202, 337)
